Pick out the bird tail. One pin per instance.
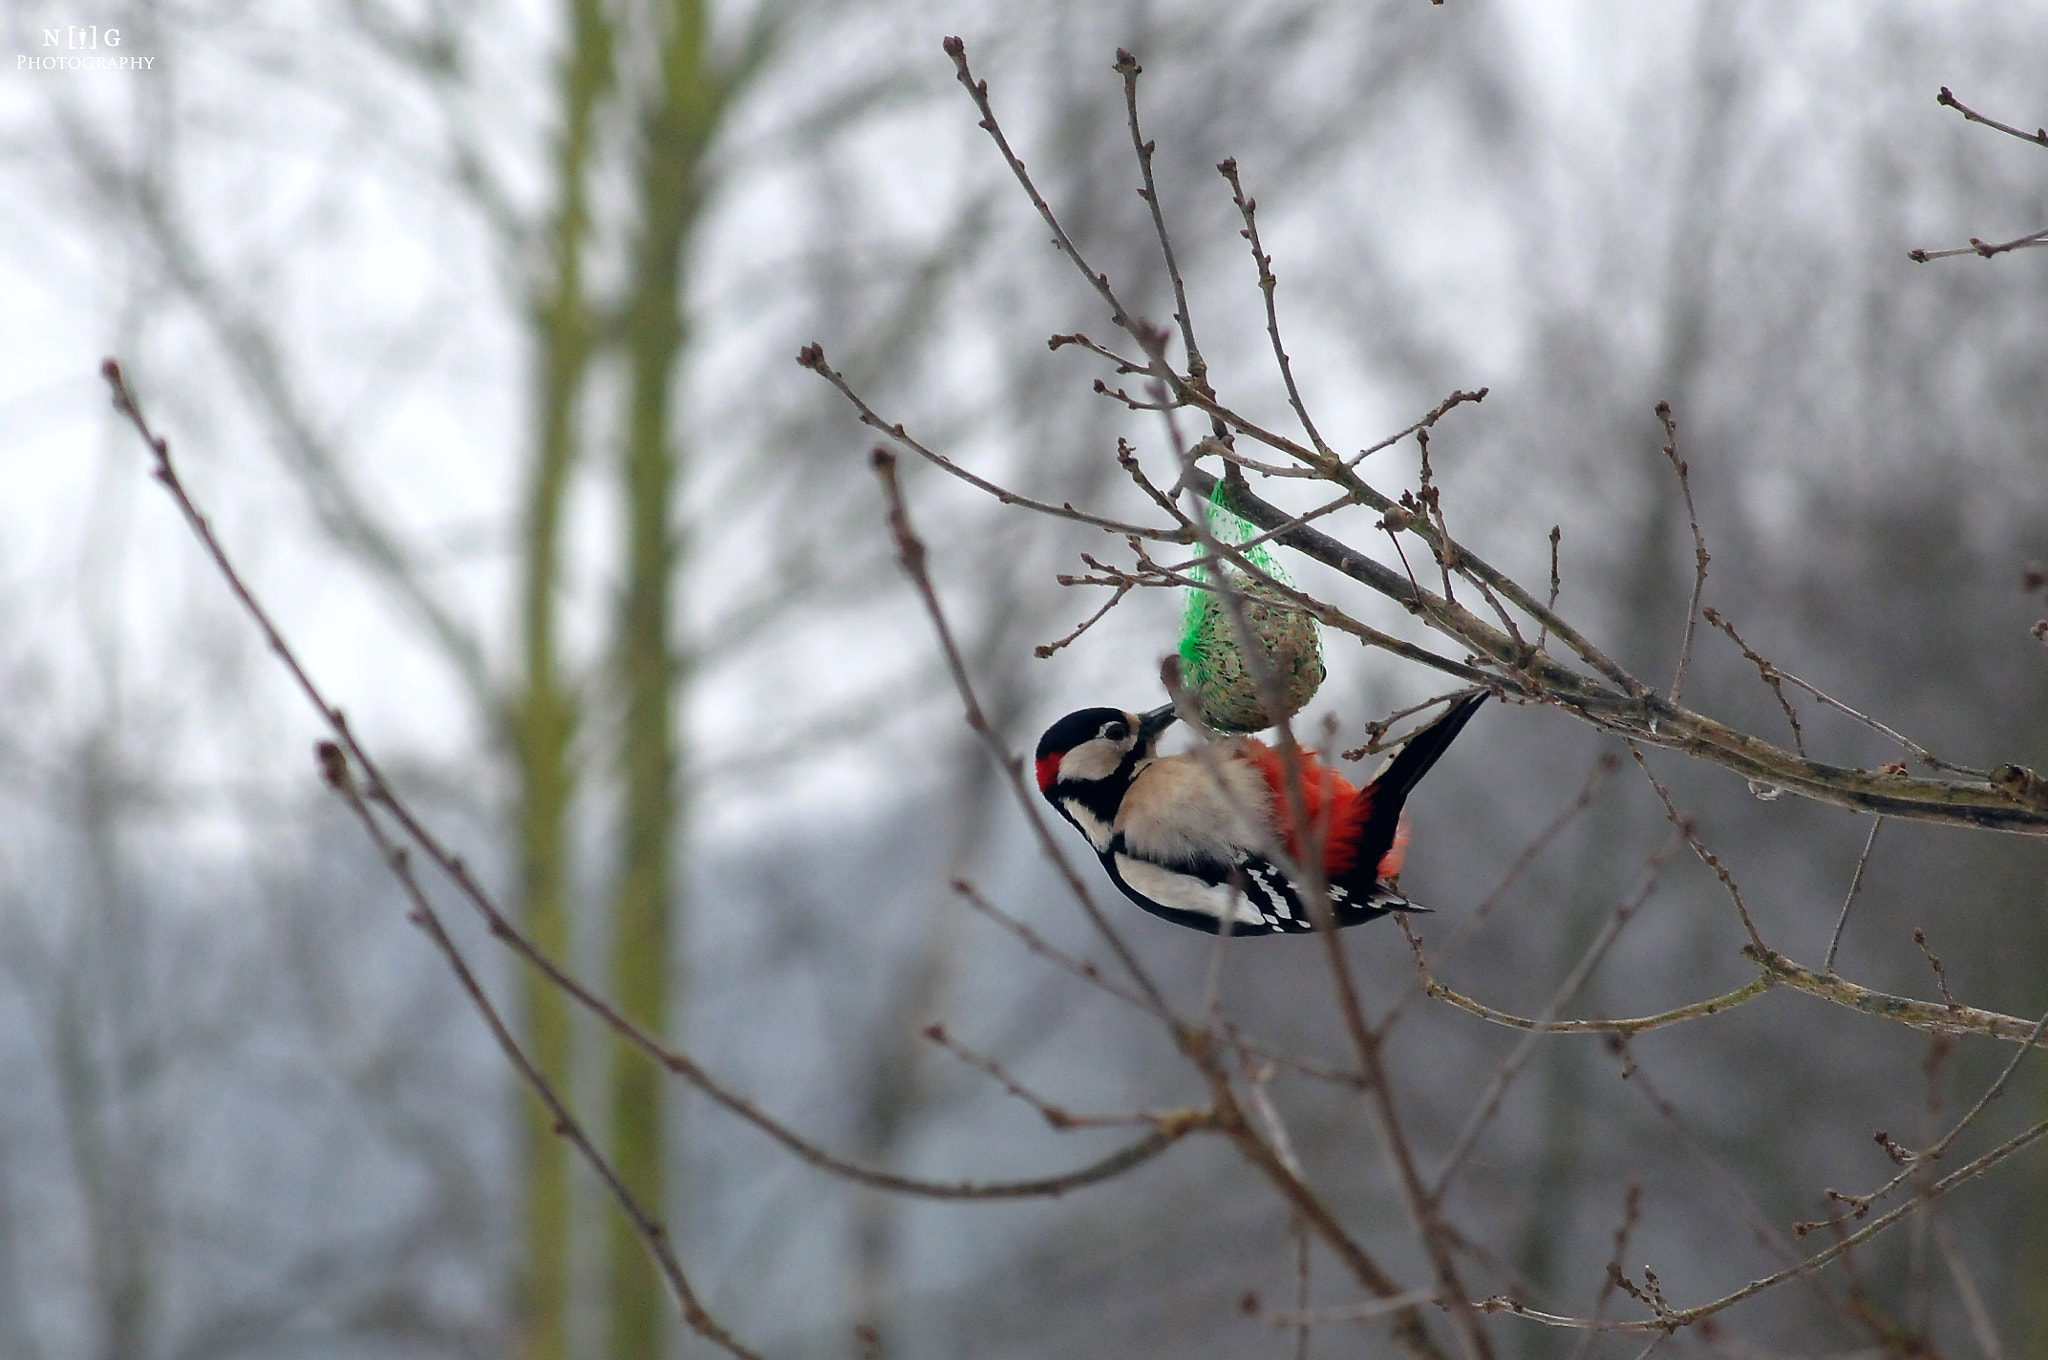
(1383, 839)
(1390, 787)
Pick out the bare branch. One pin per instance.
(2039, 136)
(1456, 399)
(812, 356)
(376, 788)
(910, 552)
(335, 770)
(1698, 1010)
(1045, 650)
(1985, 249)
(1934, 1017)
(977, 90)
(1198, 370)
(1248, 209)
(1056, 1116)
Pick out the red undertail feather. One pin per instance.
(1391, 862)
(1336, 812)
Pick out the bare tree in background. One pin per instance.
(621, 120)
(1560, 668)
(901, 1114)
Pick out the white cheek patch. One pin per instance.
(1092, 760)
(1093, 827)
(1185, 892)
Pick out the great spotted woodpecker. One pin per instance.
(1185, 836)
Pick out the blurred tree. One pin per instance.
(544, 714)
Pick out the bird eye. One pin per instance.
(1115, 731)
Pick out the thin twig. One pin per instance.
(655, 1237)
(1940, 975)
(1770, 674)
(1039, 945)
(2039, 136)
(1699, 547)
(1603, 770)
(1456, 399)
(1698, 1010)
(1556, 535)
(1981, 1326)
(977, 90)
(812, 356)
(1986, 249)
(1044, 650)
(1706, 856)
(1631, 1212)
(1488, 1104)
(1127, 459)
(910, 554)
(1378, 727)
(1122, 364)
(1773, 674)
(1248, 209)
(1305, 1330)
(1055, 1116)
(1855, 882)
(1198, 371)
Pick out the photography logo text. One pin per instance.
(81, 47)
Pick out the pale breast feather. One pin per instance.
(1177, 811)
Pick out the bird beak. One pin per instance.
(1150, 725)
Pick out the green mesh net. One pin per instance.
(1213, 668)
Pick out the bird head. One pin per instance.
(1087, 759)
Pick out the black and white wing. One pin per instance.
(1254, 895)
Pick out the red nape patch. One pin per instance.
(1336, 812)
(1048, 770)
